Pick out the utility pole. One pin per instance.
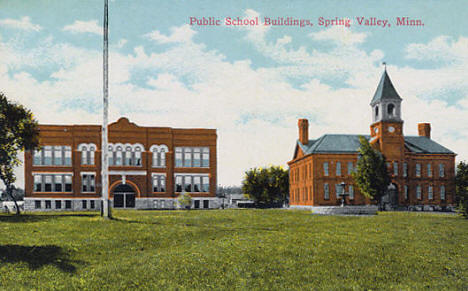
(105, 205)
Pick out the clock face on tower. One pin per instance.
(391, 129)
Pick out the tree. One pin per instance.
(371, 175)
(461, 188)
(18, 132)
(185, 200)
(266, 186)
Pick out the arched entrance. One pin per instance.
(390, 199)
(124, 196)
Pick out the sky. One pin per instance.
(250, 82)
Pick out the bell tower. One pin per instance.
(387, 125)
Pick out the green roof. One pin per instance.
(349, 143)
(385, 90)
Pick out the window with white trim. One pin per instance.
(442, 192)
(326, 191)
(52, 183)
(192, 183)
(430, 194)
(325, 168)
(192, 157)
(441, 170)
(52, 156)
(338, 168)
(88, 183)
(159, 156)
(125, 155)
(159, 183)
(87, 153)
(429, 170)
(418, 192)
(418, 170)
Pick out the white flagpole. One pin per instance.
(106, 210)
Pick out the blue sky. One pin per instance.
(250, 82)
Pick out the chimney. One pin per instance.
(303, 125)
(424, 129)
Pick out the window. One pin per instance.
(441, 170)
(188, 183)
(178, 183)
(118, 155)
(325, 168)
(127, 156)
(430, 194)
(429, 170)
(205, 157)
(395, 168)
(58, 204)
(406, 192)
(88, 183)
(196, 157)
(418, 170)
(338, 168)
(326, 191)
(48, 204)
(418, 192)
(37, 204)
(84, 204)
(192, 183)
(92, 204)
(159, 183)
(351, 192)
(68, 204)
(350, 168)
(205, 184)
(178, 157)
(442, 192)
(159, 155)
(187, 157)
(391, 109)
(87, 154)
(376, 111)
(405, 169)
(52, 183)
(192, 157)
(52, 156)
(196, 184)
(338, 190)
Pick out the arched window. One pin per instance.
(87, 153)
(118, 156)
(159, 155)
(127, 156)
(391, 109)
(137, 160)
(376, 111)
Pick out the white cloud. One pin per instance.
(24, 24)
(340, 35)
(179, 34)
(79, 26)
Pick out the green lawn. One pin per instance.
(233, 249)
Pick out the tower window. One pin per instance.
(391, 109)
(376, 111)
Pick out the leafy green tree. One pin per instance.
(266, 186)
(185, 200)
(371, 174)
(18, 132)
(461, 188)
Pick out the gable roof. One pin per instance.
(349, 143)
(385, 90)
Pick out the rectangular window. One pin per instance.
(188, 183)
(442, 192)
(406, 192)
(37, 204)
(326, 191)
(92, 204)
(87, 183)
(178, 157)
(84, 204)
(58, 183)
(68, 204)
(418, 170)
(37, 158)
(338, 190)
(84, 183)
(350, 168)
(68, 154)
(178, 183)
(429, 170)
(48, 204)
(48, 183)
(58, 204)
(91, 156)
(351, 192)
(159, 183)
(206, 184)
(395, 168)
(441, 170)
(418, 192)
(118, 158)
(58, 158)
(156, 159)
(205, 157)
(68, 183)
(430, 194)
(187, 157)
(338, 168)
(84, 157)
(196, 184)
(47, 155)
(405, 169)
(325, 168)
(196, 157)
(162, 158)
(38, 183)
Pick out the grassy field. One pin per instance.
(233, 249)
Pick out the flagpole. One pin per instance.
(106, 209)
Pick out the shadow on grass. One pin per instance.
(134, 221)
(37, 256)
(40, 217)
